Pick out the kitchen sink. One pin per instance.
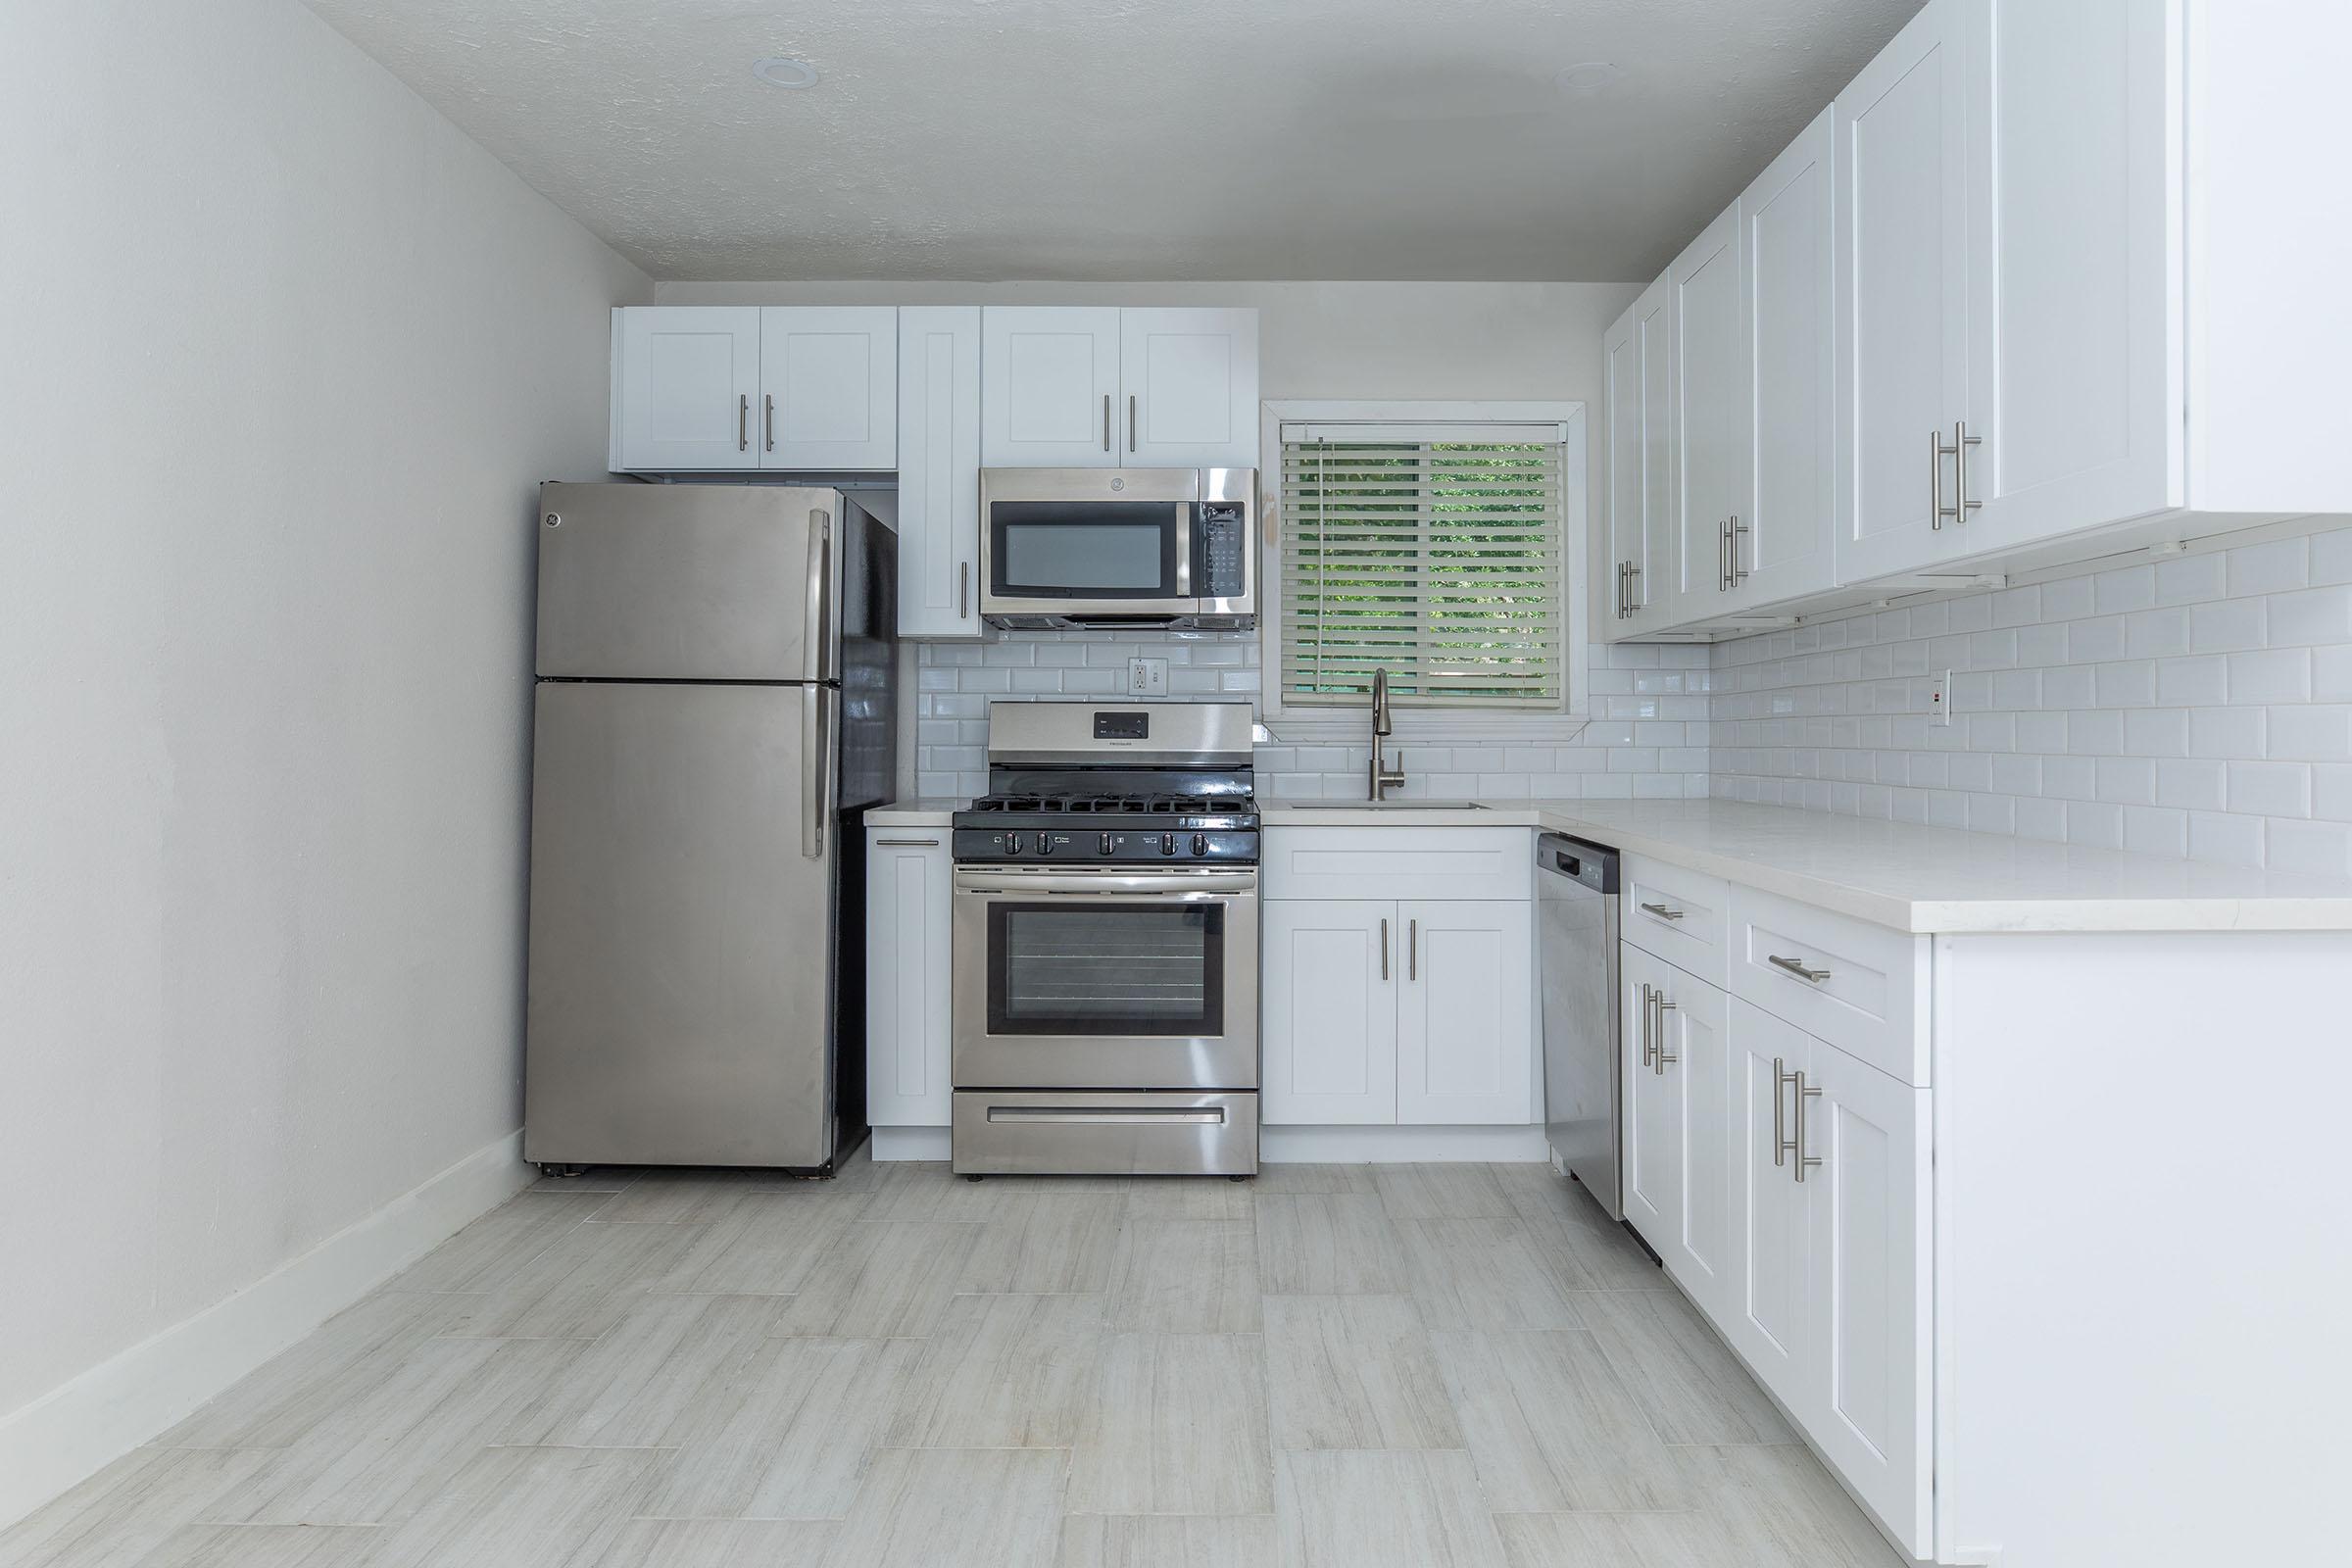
(1390, 805)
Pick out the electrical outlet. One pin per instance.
(1940, 700)
(1146, 677)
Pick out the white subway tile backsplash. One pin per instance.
(2200, 705)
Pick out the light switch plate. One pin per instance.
(1146, 677)
(1940, 700)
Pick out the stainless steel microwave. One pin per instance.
(1119, 547)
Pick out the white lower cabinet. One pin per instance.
(1829, 1258)
(1677, 1135)
(1329, 1014)
(1652, 1130)
(1396, 1011)
(1465, 1040)
(907, 972)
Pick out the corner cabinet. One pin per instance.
(1414, 1005)
(907, 974)
(1111, 387)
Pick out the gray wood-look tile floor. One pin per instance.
(1363, 1367)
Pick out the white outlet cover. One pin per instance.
(1940, 700)
(1146, 677)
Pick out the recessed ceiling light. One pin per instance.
(1586, 79)
(781, 70)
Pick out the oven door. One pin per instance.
(1064, 541)
(1084, 979)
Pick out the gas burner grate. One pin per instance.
(1139, 804)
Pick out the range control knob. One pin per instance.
(1167, 844)
(1104, 847)
(1012, 844)
(1045, 844)
(1199, 844)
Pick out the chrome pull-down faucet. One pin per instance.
(1383, 779)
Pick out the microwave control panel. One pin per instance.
(1224, 539)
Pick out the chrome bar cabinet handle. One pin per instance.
(769, 422)
(1782, 1078)
(1961, 442)
(1131, 422)
(1663, 1054)
(1797, 967)
(1384, 949)
(1107, 421)
(1632, 575)
(1647, 996)
(907, 844)
(743, 423)
(1413, 950)
(1662, 911)
(1734, 532)
(963, 590)
(1804, 1091)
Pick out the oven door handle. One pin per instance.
(1109, 885)
(1139, 1115)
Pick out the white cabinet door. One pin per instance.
(2075, 360)
(1618, 539)
(1190, 389)
(938, 470)
(907, 978)
(1901, 176)
(1867, 1405)
(1465, 1018)
(1698, 1040)
(1769, 1319)
(1711, 421)
(1779, 545)
(686, 386)
(828, 384)
(1640, 354)
(1048, 377)
(1329, 984)
(1651, 1106)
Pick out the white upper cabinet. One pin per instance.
(1465, 1017)
(828, 382)
(1049, 377)
(1901, 176)
(702, 388)
(938, 470)
(1103, 387)
(1780, 544)
(1711, 396)
(685, 384)
(1189, 382)
(1642, 519)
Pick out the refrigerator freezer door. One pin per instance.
(688, 581)
(680, 1009)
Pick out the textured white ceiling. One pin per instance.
(1130, 139)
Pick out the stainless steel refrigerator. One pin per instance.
(713, 715)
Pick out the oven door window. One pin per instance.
(1084, 549)
(1107, 968)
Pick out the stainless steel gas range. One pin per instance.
(1105, 944)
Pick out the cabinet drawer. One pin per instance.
(1674, 914)
(1399, 862)
(1862, 988)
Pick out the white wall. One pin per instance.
(286, 355)
(2200, 705)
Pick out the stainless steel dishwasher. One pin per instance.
(1576, 954)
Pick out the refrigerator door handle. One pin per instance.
(817, 634)
(817, 746)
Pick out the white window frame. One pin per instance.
(1322, 723)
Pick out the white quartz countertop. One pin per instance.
(934, 811)
(1899, 874)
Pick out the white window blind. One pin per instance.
(1437, 558)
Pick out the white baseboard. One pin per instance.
(1404, 1146)
(913, 1143)
(79, 1428)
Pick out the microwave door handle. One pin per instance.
(1184, 549)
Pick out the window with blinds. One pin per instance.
(1440, 561)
